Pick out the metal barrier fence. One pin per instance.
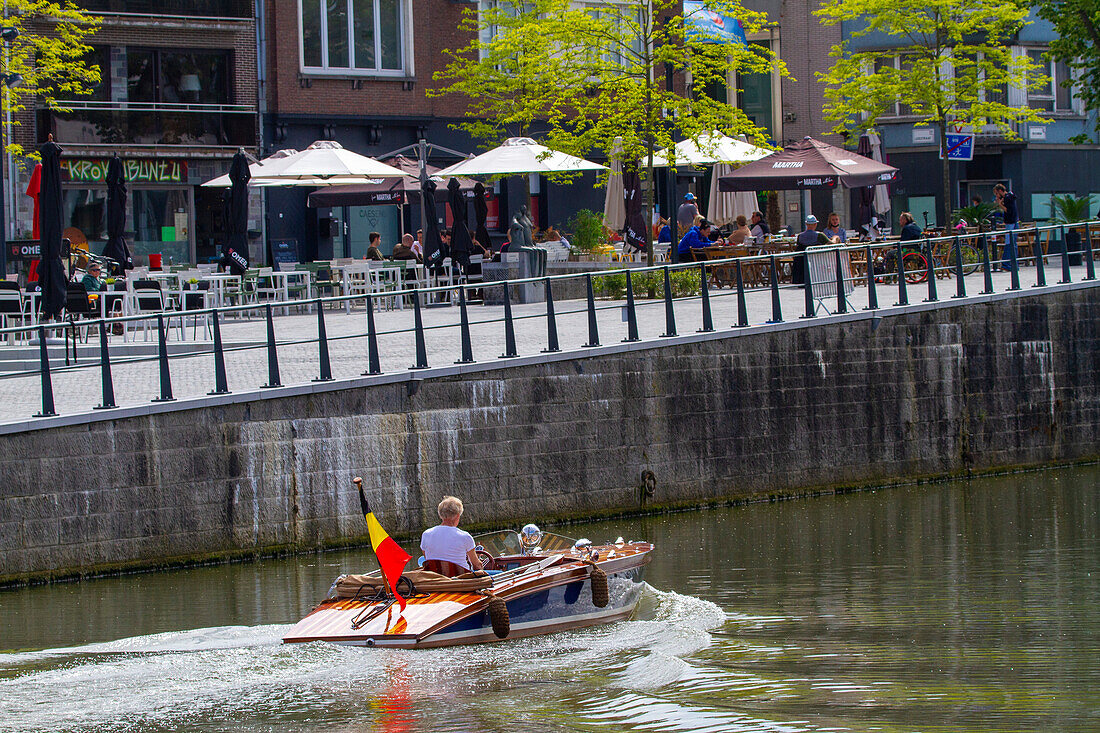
(887, 265)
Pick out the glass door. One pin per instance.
(362, 220)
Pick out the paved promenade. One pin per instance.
(77, 389)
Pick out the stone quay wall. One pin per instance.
(858, 400)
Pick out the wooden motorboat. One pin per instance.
(534, 583)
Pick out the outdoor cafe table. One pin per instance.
(280, 280)
(219, 284)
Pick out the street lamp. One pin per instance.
(7, 35)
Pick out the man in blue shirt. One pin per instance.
(696, 238)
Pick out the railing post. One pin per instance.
(1066, 277)
(903, 294)
(593, 329)
(742, 307)
(551, 322)
(872, 294)
(1014, 259)
(509, 327)
(1090, 266)
(930, 273)
(987, 266)
(841, 296)
(1040, 268)
(670, 312)
(105, 370)
(221, 384)
(48, 409)
(162, 354)
(777, 310)
(272, 355)
(374, 365)
(708, 320)
(808, 288)
(631, 313)
(418, 322)
(960, 277)
(325, 366)
(464, 329)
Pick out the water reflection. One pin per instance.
(969, 606)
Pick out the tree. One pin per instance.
(635, 69)
(49, 65)
(954, 66)
(1077, 23)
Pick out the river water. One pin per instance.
(963, 606)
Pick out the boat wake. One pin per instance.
(243, 677)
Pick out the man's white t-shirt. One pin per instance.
(447, 543)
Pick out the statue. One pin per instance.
(519, 232)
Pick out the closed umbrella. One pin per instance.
(724, 207)
(481, 216)
(882, 195)
(461, 246)
(613, 211)
(235, 250)
(34, 186)
(434, 251)
(51, 273)
(866, 198)
(117, 248)
(634, 221)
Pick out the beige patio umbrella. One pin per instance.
(707, 149)
(519, 155)
(614, 209)
(326, 163)
(271, 163)
(725, 206)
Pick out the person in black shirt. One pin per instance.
(909, 229)
(1006, 200)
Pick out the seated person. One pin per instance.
(93, 282)
(446, 541)
(741, 234)
(373, 252)
(833, 230)
(404, 250)
(664, 235)
(696, 238)
(909, 229)
(759, 227)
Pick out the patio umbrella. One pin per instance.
(116, 247)
(613, 211)
(519, 155)
(461, 246)
(724, 207)
(33, 188)
(325, 163)
(807, 163)
(270, 164)
(882, 195)
(481, 216)
(633, 220)
(710, 148)
(51, 273)
(235, 249)
(434, 251)
(866, 198)
(380, 191)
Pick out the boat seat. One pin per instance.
(444, 567)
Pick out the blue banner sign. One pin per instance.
(703, 25)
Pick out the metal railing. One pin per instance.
(898, 276)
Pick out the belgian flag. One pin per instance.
(391, 558)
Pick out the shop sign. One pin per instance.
(94, 170)
(29, 249)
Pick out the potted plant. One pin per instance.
(1069, 209)
(588, 232)
(976, 215)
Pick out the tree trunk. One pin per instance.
(947, 197)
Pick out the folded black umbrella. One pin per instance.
(461, 244)
(51, 273)
(634, 225)
(434, 251)
(116, 248)
(235, 249)
(481, 216)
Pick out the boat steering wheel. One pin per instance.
(485, 557)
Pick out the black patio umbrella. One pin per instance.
(461, 245)
(235, 249)
(481, 216)
(634, 226)
(117, 248)
(434, 251)
(51, 273)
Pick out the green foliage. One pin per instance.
(1077, 23)
(647, 284)
(1069, 209)
(956, 62)
(975, 215)
(587, 230)
(52, 66)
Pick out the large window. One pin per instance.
(897, 64)
(1051, 94)
(353, 36)
(177, 77)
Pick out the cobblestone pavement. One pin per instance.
(78, 389)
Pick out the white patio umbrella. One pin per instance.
(614, 209)
(707, 149)
(882, 195)
(519, 155)
(271, 163)
(725, 206)
(326, 163)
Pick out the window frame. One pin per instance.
(405, 35)
(1051, 71)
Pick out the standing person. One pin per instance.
(759, 228)
(685, 215)
(1006, 201)
(446, 541)
(696, 238)
(373, 252)
(809, 237)
(833, 230)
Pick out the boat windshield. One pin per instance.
(506, 542)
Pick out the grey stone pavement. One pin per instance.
(78, 389)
